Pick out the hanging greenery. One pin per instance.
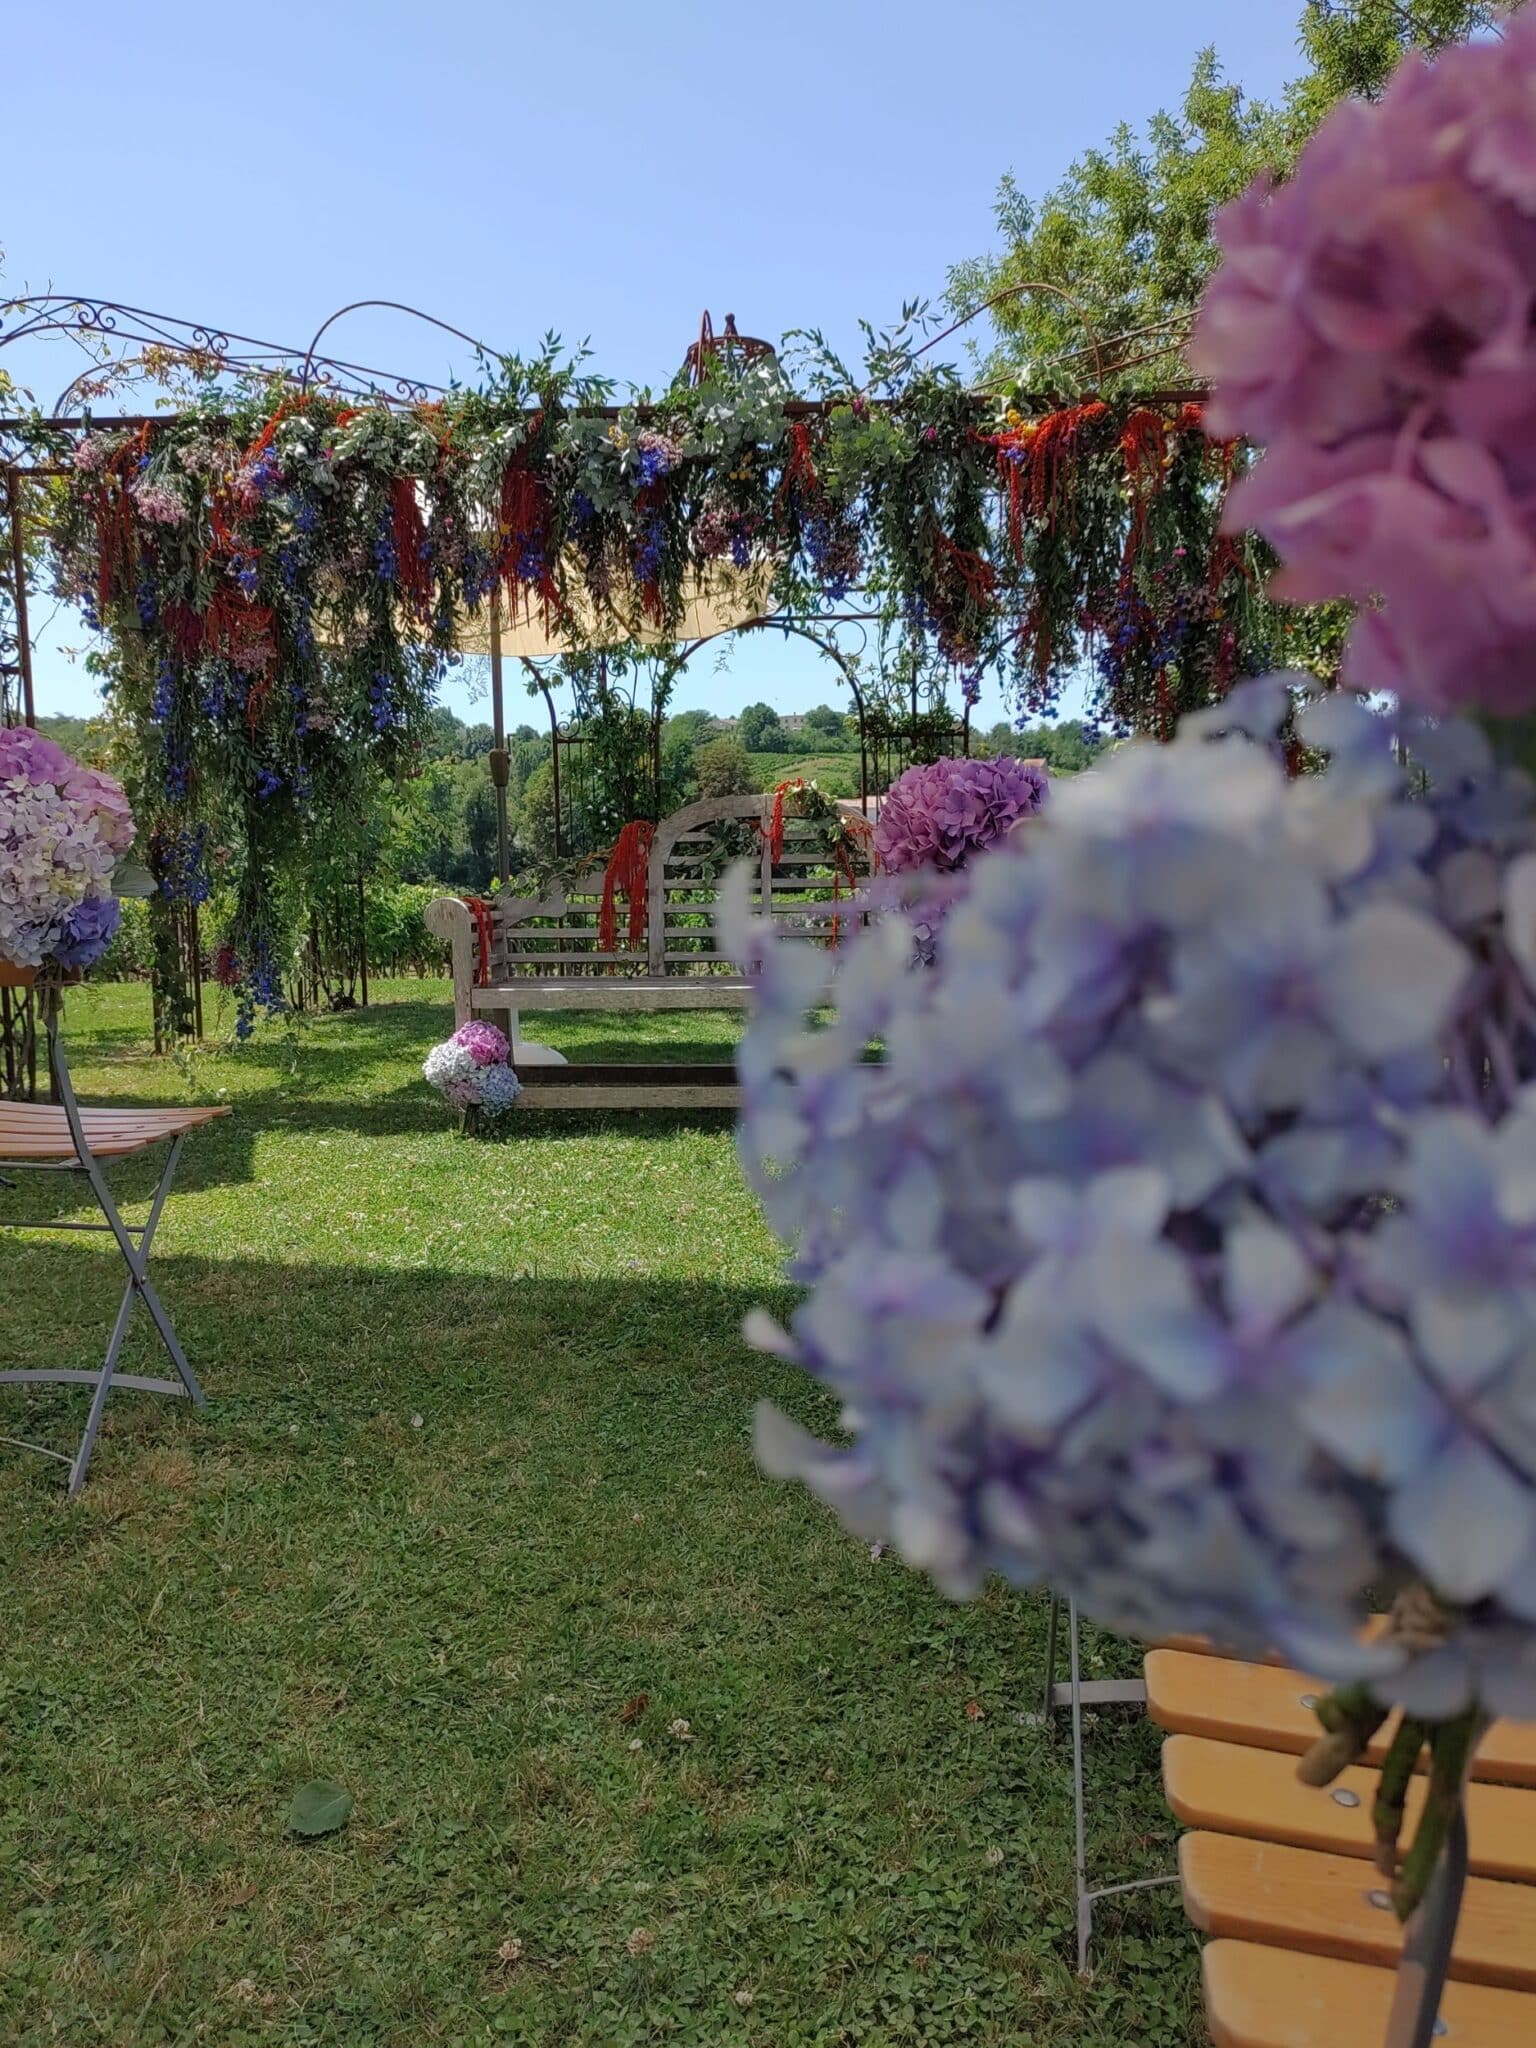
(283, 574)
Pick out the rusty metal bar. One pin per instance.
(500, 760)
(793, 408)
(19, 597)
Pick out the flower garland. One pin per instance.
(283, 575)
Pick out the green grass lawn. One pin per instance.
(472, 1525)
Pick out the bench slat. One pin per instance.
(1335, 1906)
(1256, 1792)
(601, 992)
(1258, 1997)
(1264, 1706)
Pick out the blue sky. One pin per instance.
(603, 169)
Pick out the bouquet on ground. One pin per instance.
(65, 833)
(472, 1071)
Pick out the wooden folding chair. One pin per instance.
(1308, 1952)
(62, 1137)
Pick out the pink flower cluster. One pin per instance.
(1371, 324)
(936, 817)
(472, 1071)
(486, 1046)
(27, 756)
(160, 505)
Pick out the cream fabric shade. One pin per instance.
(713, 604)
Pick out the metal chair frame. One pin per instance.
(135, 1242)
(1428, 1938)
(1075, 1694)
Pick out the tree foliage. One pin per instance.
(761, 730)
(1126, 235)
(722, 768)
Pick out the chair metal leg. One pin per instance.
(135, 1243)
(1079, 1796)
(103, 1387)
(1075, 1694)
(1049, 1699)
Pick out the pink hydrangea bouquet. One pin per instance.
(65, 831)
(472, 1072)
(1371, 327)
(937, 817)
(934, 820)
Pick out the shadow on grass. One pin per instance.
(336, 1345)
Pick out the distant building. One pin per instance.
(791, 721)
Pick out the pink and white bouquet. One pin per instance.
(472, 1072)
(64, 833)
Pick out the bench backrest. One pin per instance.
(558, 934)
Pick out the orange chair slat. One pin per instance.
(1256, 1792)
(1336, 1906)
(40, 1131)
(1265, 1706)
(1257, 1997)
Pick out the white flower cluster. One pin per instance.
(55, 859)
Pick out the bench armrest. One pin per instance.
(448, 919)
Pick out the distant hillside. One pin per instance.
(837, 774)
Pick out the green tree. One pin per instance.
(1123, 247)
(760, 731)
(822, 719)
(693, 726)
(721, 768)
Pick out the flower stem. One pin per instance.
(1450, 1752)
(1392, 1791)
(1350, 1719)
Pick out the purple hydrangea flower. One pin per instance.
(486, 1046)
(1182, 1251)
(63, 829)
(88, 931)
(936, 817)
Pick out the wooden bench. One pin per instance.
(1305, 1943)
(544, 953)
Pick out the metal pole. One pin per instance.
(19, 573)
(1427, 1943)
(362, 935)
(500, 760)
